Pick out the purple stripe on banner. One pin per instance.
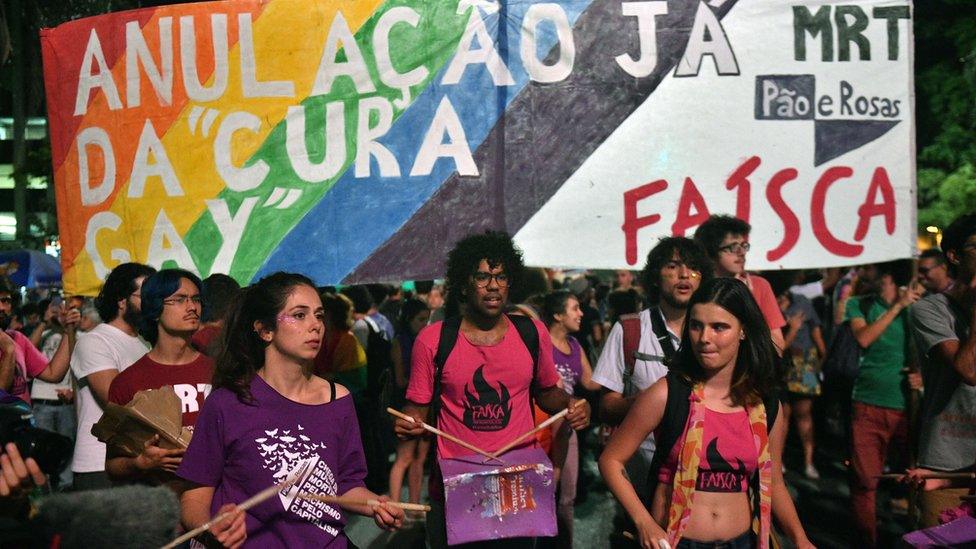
(548, 131)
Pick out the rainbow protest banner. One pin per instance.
(357, 140)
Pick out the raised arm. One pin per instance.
(867, 333)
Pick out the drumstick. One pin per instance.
(932, 475)
(440, 433)
(346, 502)
(538, 428)
(260, 497)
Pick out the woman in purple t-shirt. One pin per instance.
(562, 314)
(269, 420)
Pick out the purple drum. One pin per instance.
(488, 500)
(958, 533)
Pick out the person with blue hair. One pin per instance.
(171, 312)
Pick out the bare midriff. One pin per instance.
(714, 516)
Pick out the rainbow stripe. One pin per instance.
(351, 226)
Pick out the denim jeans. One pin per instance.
(61, 420)
(742, 541)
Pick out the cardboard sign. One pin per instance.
(151, 412)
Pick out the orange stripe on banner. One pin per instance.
(191, 151)
(125, 125)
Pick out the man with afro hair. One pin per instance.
(476, 374)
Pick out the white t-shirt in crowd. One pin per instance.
(105, 347)
(648, 368)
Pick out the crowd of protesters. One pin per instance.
(686, 377)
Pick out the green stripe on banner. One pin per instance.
(431, 44)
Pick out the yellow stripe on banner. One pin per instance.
(289, 39)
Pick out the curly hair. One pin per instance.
(712, 232)
(495, 247)
(689, 251)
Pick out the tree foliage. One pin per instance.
(945, 105)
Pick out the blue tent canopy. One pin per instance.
(30, 268)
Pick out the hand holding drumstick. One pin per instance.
(579, 414)
(419, 427)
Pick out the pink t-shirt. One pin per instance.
(730, 457)
(484, 388)
(28, 362)
(763, 292)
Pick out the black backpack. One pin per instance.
(449, 333)
(844, 354)
(379, 358)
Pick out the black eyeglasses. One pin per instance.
(735, 248)
(483, 279)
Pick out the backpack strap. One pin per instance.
(631, 326)
(672, 424)
(662, 335)
(451, 327)
(530, 338)
(448, 338)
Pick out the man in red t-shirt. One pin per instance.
(487, 382)
(171, 307)
(726, 239)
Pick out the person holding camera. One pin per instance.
(20, 360)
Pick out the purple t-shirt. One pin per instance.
(241, 449)
(570, 367)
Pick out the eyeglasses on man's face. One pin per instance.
(182, 299)
(735, 248)
(483, 279)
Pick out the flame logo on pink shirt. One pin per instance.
(490, 410)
